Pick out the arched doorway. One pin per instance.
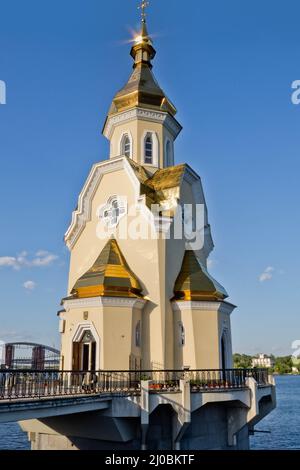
(84, 352)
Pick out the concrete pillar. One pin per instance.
(183, 418)
(237, 418)
(145, 413)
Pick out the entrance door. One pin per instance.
(85, 356)
(84, 353)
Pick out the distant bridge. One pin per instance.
(24, 355)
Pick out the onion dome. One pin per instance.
(142, 89)
(110, 276)
(195, 283)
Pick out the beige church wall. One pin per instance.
(174, 253)
(156, 263)
(118, 332)
(118, 132)
(201, 349)
(206, 331)
(115, 327)
(184, 356)
(137, 130)
(88, 247)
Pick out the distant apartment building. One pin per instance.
(262, 360)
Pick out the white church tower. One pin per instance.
(144, 301)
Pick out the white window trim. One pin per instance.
(78, 335)
(121, 149)
(155, 156)
(122, 203)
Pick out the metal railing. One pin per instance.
(25, 384)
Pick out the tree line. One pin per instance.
(283, 364)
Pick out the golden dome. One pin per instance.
(195, 283)
(110, 276)
(142, 89)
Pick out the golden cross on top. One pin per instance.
(143, 7)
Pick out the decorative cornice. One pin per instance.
(83, 213)
(145, 114)
(104, 302)
(222, 307)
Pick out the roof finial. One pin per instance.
(144, 4)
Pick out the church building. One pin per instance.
(144, 323)
(142, 301)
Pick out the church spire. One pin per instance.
(143, 50)
(142, 89)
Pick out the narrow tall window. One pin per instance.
(169, 154)
(181, 334)
(149, 149)
(138, 335)
(126, 146)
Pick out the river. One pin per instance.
(284, 423)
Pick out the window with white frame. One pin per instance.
(126, 146)
(138, 335)
(112, 212)
(148, 159)
(181, 334)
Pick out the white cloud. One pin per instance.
(8, 261)
(42, 258)
(29, 285)
(267, 275)
(42, 253)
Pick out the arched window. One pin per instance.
(181, 334)
(169, 161)
(126, 146)
(138, 335)
(148, 149)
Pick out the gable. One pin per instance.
(82, 215)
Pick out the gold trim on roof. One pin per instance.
(166, 178)
(195, 283)
(110, 276)
(142, 89)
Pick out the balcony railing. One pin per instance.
(28, 384)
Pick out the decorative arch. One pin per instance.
(225, 361)
(126, 144)
(81, 330)
(154, 148)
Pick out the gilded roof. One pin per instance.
(195, 283)
(141, 172)
(166, 178)
(109, 276)
(142, 88)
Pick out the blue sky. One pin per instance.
(228, 67)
